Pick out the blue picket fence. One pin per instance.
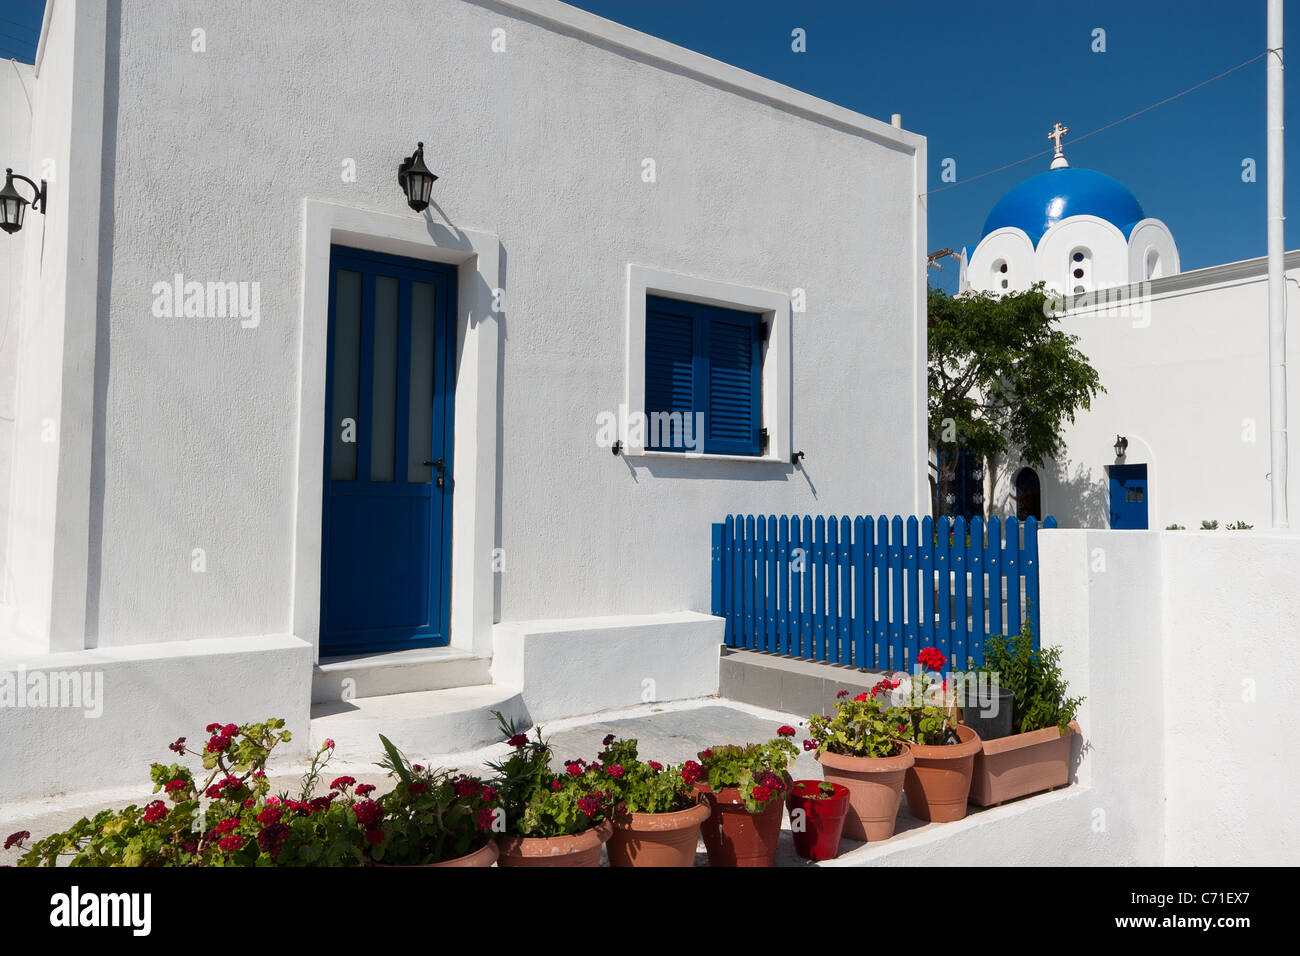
(870, 592)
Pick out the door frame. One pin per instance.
(474, 524)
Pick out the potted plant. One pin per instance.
(859, 748)
(943, 751)
(817, 813)
(743, 788)
(228, 820)
(1036, 756)
(657, 809)
(433, 817)
(549, 819)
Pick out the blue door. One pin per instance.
(386, 532)
(1128, 496)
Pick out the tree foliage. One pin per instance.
(1003, 377)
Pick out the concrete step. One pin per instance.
(444, 721)
(790, 685)
(400, 672)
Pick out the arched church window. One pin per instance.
(1153, 267)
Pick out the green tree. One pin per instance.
(1003, 379)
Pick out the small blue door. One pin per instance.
(1128, 496)
(386, 530)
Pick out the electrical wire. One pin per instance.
(1102, 129)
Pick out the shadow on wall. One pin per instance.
(1077, 497)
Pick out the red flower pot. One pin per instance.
(817, 823)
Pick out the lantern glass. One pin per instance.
(12, 207)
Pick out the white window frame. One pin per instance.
(775, 375)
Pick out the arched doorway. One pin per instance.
(1029, 495)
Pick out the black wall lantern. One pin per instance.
(1121, 446)
(13, 204)
(416, 180)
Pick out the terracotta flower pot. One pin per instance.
(938, 783)
(485, 855)
(657, 839)
(817, 822)
(875, 786)
(580, 849)
(1021, 764)
(735, 837)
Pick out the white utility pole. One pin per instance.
(1276, 270)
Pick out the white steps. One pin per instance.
(420, 723)
(402, 672)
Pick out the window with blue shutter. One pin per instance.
(703, 378)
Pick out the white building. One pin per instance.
(1183, 357)
(230, 345)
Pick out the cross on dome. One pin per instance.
(1056, 135)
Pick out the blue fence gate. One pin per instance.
(870, 592)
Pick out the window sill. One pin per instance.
(701, 456)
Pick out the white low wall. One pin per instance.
(141, 698)
(1183, 643)
(582, 666)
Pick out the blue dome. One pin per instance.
(1044, 200)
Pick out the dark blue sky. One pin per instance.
(985, 81)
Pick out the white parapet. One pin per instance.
(94, 719)
(586, 665)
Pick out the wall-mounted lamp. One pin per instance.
(618, 448)
(416, 180)
(1121, 446)
(13, 204)
(796, 457)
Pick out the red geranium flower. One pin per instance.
(762, 793)
(364, 789)
(155, 811)
(809, 745)
(18, 837)
(486, 817)
(932, 659)
(418, 787)
(785, 731)
(615, 770)
(862, 696)
(518, 740)
(342, 783)
(654, 765)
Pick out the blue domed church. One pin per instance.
(1074, 229)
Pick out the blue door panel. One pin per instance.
(375, 578)
(1128, 497)
(386, 523)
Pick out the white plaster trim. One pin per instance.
(478, 258)
(572, 20)
(775, 307)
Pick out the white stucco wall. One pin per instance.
(541, 145)
(15, 135)
(1185, 367)
(1180, 640)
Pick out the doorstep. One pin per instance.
(352, 676)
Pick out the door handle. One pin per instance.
(441, 466)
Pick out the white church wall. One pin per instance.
(1081, 254)
(1152, 253)
(1008, 247)
(1186, 374)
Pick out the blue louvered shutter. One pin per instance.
(671, 346)
(733, 359)
(703, 373)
